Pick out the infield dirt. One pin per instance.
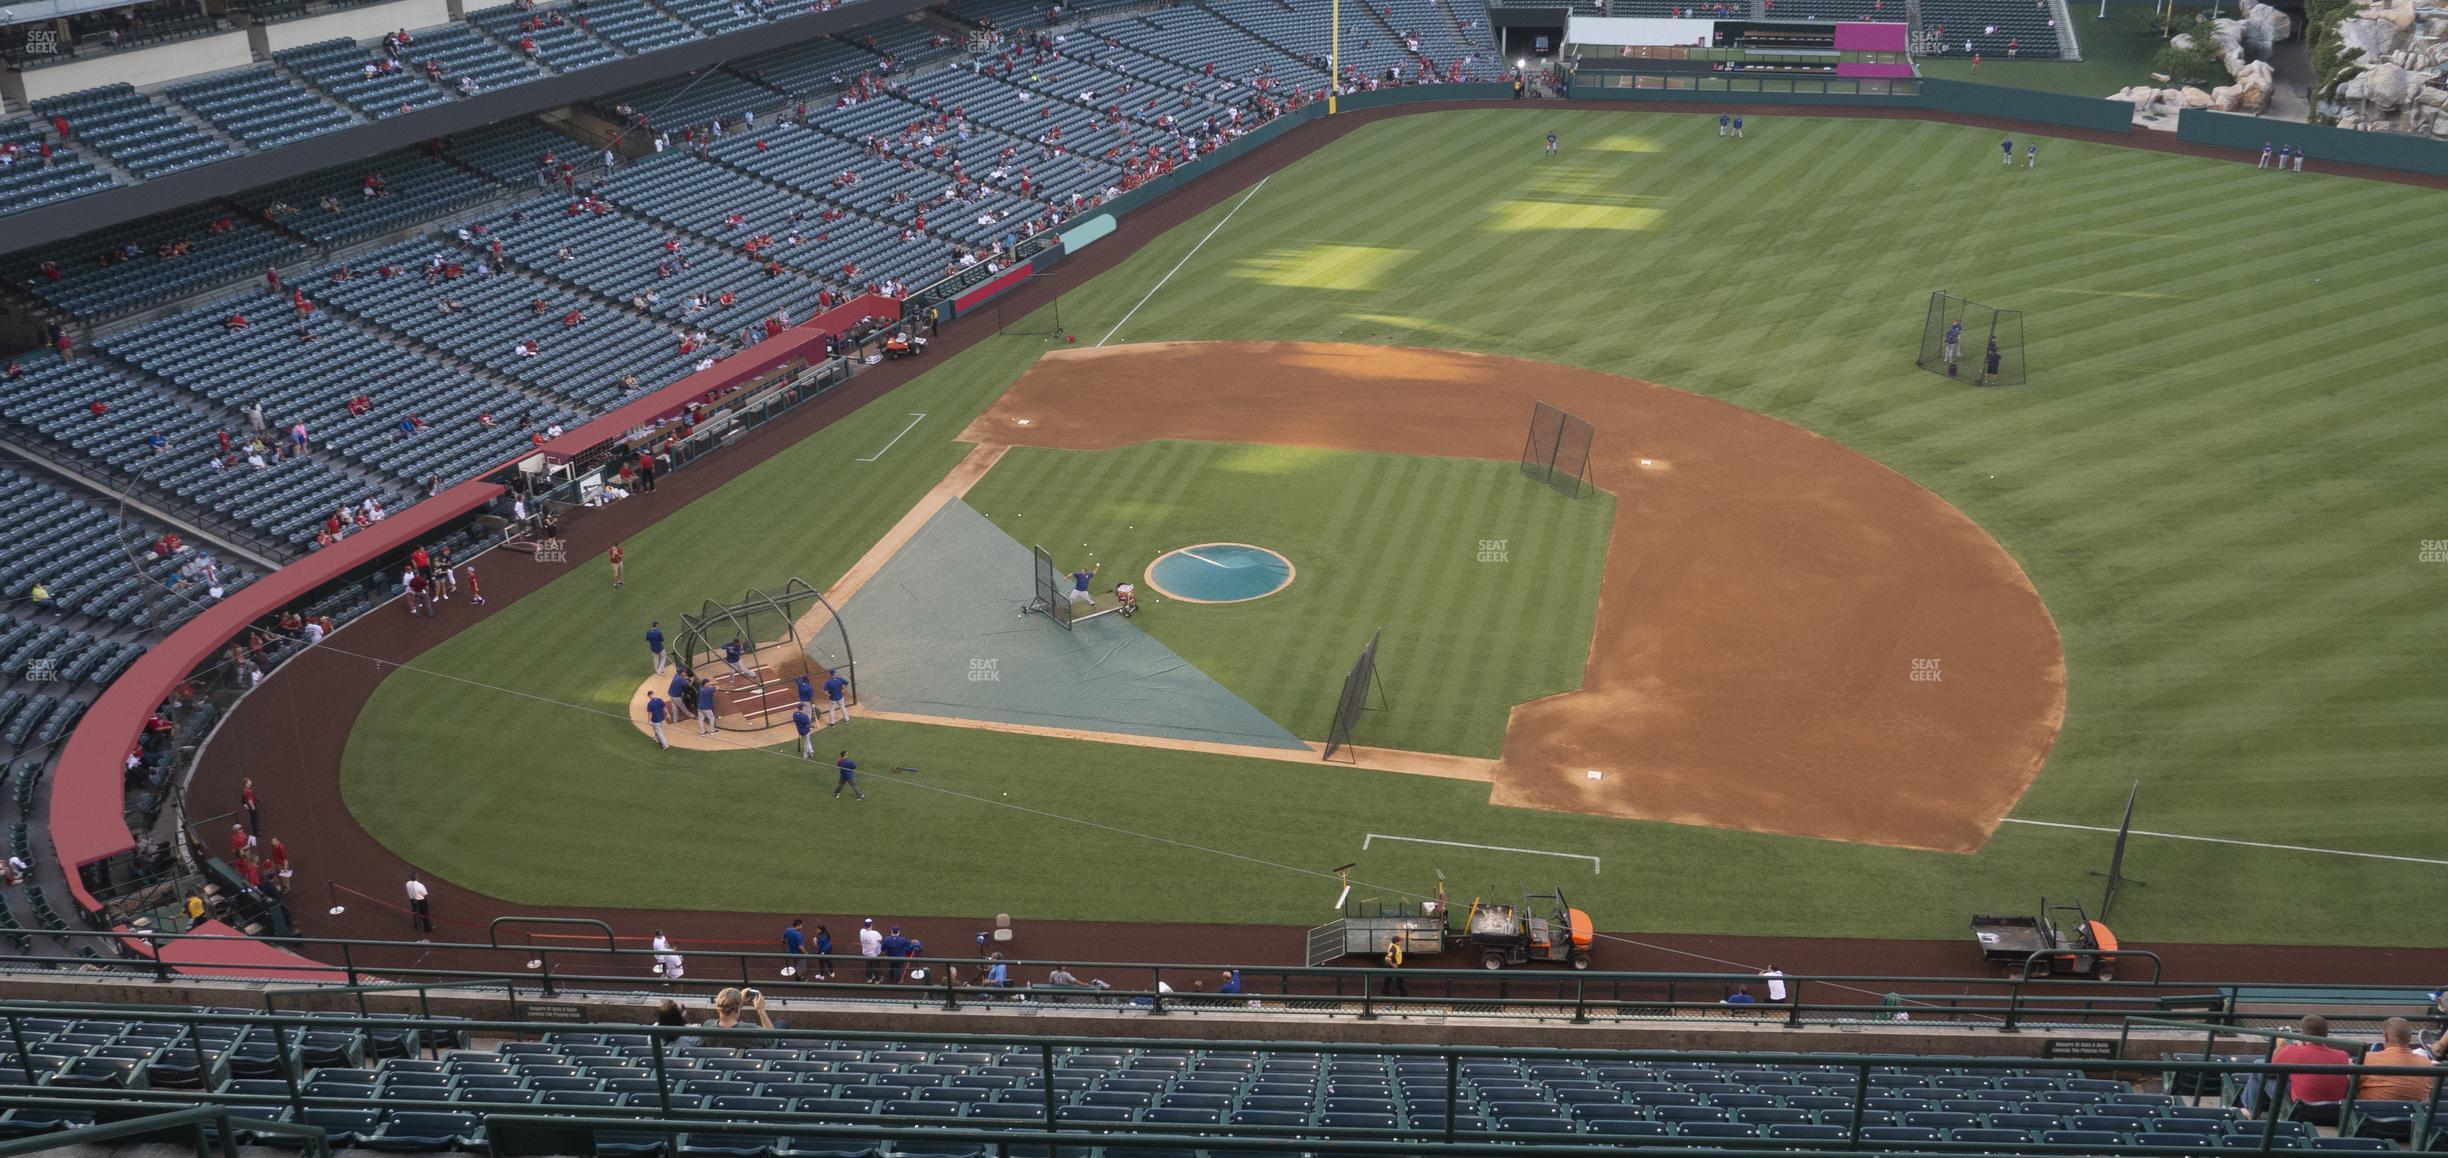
(1791, 638)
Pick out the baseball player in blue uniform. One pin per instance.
(849, 777)
(705, 708)
(836, 709)
(654, 643)
(1079, 587)
(807, 695)
(2007, 146)
(654, 718)
(807, 727)
(731, 655)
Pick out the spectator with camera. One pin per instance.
(731, 1008)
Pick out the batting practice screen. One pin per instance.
(1355, 698)
(1557, 450)
(1967, 340)
(1049, 595)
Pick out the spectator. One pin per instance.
(2316, 1096)
(871, 947)
(1738, 995)
(2396, 1049)
(1063, 976)
(897, 949)
(730, 1008)
(668, 963)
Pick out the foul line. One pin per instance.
(1177, 266)
(1594, 867)
(2237, 843)
(915, 419)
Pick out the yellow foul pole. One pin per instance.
(1334, 54)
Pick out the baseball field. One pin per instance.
(1840, 647)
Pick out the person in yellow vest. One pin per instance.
(195, 911)
(1394, 986)
(42, 598)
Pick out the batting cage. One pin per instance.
(1360, 688)
(1557, 450)
(1965, 339)
(1047, 591)
(782, 636)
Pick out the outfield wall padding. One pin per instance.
(1718, 97)
(2320, 142)
(1414, 94)
(2048, 108)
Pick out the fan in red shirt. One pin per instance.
(2316, 1096)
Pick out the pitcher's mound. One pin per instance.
(1791, 637)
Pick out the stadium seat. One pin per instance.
(410, 1130)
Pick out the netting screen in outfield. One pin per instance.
(1967, 340)
(1359, 687)
(1557, 450)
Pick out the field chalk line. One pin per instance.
(2237, 843)
(1177, 266)
(1374, 836)
(915, 419)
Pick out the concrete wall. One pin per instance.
(365, 23)
(140, 66)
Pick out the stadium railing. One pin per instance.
(527, 965)
(673, 1053)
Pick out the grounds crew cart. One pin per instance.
(2066, 939)
(1542, 928)
(1510, 934)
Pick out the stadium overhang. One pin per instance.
(118, 205)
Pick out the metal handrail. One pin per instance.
(172, 1116)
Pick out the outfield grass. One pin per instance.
(2220, 480)
(1376, 540)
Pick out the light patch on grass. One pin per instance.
(1536, 216)
(1323, 266)
(1614, 143)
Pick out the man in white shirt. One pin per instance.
(1776, 983)
(419, 910)
(871, 947)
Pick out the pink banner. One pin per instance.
(1888, 37)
